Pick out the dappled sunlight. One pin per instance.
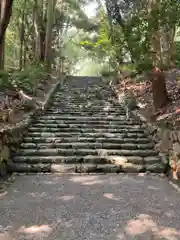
(50, 182)
(36, 229)
(6, 236)
(140, 179)
(65, 197)
(86, 180)
(140, 225)
(94, 179)
(117, 159)
(144, 223)
(111, 196)
(38, 195)
(88, 201)
(150, 187)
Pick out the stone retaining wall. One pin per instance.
(11, 137)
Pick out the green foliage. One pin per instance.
(100, 45)
(178, 54)
(27, 80)
(126, 31)
(4, 79)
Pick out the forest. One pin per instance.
(40, 40)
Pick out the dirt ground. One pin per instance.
(170, 115)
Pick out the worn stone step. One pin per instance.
(56, 103)
(76, 145)
(75, 168)
(84, 168)
(77, 118)
(30, 168)
(86, 139)
(86, 159)
(83, 112)
(84, 130)
(107, 168)
(88, 102)
(84, 125)
(84, 152)
(87, 134)
(86, 114)
(86, 109)
(92, 122)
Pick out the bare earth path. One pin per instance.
(97, 207)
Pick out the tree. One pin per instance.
(49, 28)
(6, 11)
(160, 96)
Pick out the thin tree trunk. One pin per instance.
(50, 18)
(24, 62)
(6, 11)
(154, 34)
(2, 55)
(40, 33)
(22, 33)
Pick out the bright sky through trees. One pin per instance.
(90, 9)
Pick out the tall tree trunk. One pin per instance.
(6, 11)
(168, 46)
(2, 54)
(154, 33)
(160, 96)
(22, 33)
(49, 27)
(40, 32)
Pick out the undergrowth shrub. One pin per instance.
(27, 79)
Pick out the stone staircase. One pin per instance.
(85, 130)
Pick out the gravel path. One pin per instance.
(98, 207)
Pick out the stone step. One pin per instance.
(84, 125)
(86, 114)
(57, 124)
(79, 111)
(119, 160)
(84, 130)
(83, 101)
(84, 104)
(81, 118)
(56, 102)
(76, 145)
(85, 152)
(86, 107)
(85, 168)
(86, 139)
(87, 134)
(94, 121)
